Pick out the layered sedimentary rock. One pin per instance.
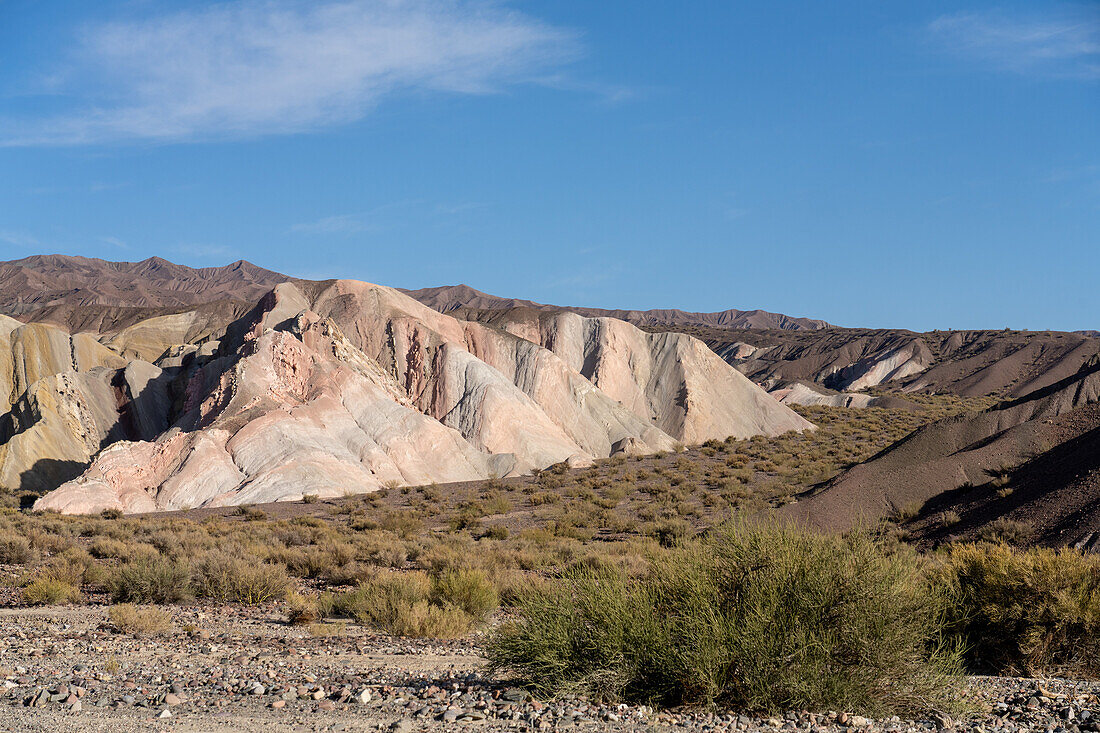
(343, 387)
(670, 378)
(33, 351)
(62, 420)
(289, 418)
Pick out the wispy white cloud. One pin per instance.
(18, 239)
(115, 242)
(354, 223)
(1072, 173)
(387, 216)
(256, 67)
(1063, 45)
(205, 251)
(338, 224)
(456, 209)
(100, 186)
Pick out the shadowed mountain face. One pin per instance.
(325, 388)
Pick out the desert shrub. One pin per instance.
(469, 589)
(337, 628)
(671, 533)
(73, 566)
(251, 513)
(949, 518)
(315, 561)
(381, 599)
(127, 618)
(15, 549)
(48, 590)
(302, 610)
(48, 541)
(108, 547)
(496, 532)
(400, 604)
(497, 503)
(404, 524)
(757, 618)
(58, 581)
(905, 512)
(158, 580)
(1007, 531)
(1025, 612)
(243, 580)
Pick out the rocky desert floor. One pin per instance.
(230, 669)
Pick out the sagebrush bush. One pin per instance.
(1025, 612)
(302, 610)
(229, 578)
(15, 549)
(47, 590)
(157, 580)
(316, 561)
(127, 618)
(1008, 531)
(401, 604)
(107, 547)
(761, 618)
(468, 589)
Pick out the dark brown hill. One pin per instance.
(1041, 441)
(82, 293)
(1003, 363)
(1051, 499)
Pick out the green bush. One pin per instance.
(158, 580)
(671, 533)
(1025, 612)
(761, 618)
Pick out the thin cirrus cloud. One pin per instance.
(338, 224)
(250, 68)
(384, 217)
(18, 239)
(1065, 45)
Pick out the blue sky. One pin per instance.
(917, 165)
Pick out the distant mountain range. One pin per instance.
(52, 287)
(451, 298)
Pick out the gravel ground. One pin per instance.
(62, 669)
